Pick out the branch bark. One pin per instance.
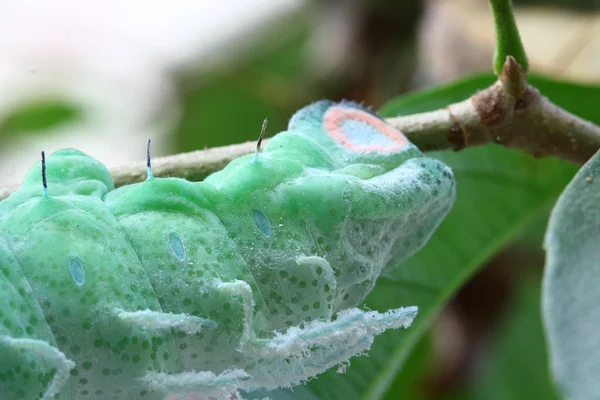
(193, 166)
(510, 113)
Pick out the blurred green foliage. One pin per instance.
(38, 117)
(516, 364)
(224, 108)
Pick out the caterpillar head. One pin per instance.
(342, 185)
(345, 137)
(348, 133)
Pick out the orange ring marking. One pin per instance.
(336, 115)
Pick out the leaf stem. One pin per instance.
(508, 41)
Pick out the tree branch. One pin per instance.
(509, 112)
(193, 166)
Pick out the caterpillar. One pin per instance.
(247, 280)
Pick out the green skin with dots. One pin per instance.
(247, 280)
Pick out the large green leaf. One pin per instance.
(512, 364)
(499, 193)
(571, 297)
(516, 366)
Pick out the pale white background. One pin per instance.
(115, 59)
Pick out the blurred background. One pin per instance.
(103, 76)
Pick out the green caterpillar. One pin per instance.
(245, 281)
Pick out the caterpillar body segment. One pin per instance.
(80, 267)
(31, 365)
(188, 257)
(37, 359)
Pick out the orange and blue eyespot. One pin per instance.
(361, 131)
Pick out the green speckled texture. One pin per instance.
(169, 286)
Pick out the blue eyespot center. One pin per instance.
(361, 133)
(263, 224)
(176, 246)
(76, 270)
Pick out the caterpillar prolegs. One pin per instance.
(247, 280)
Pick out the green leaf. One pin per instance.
(516, 368)
(571, 299)
(513, 363)
(39, 116)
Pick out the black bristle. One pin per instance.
(44, 182)
(148, 164)
(262, 134)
